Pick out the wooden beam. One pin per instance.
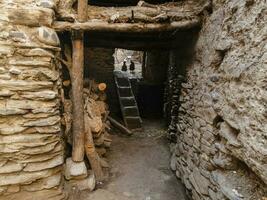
(126, 27)
(119, 126)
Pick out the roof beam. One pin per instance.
(126, 27)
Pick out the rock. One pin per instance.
(2, 70)
(15, 71)
(10, 167)
(226, 186)
(38, 166)
(43, 122)
(40, 95)
(37, 149)
(199, 182)
(52, 194)
(230, 134)
(44, 183)
(25, 177)
(17, 36)
(18, 85)
(12, 111)
(20, 15)
(6, 93)
(88, 183)
(173, 162)
(35, 52)
(13, 189)
(5, 77)
(46, 4)
(48, 36)
(75, 170)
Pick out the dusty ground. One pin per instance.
(140, 169)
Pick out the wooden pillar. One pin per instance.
(77, 96)
(77, 86)
(82, 10)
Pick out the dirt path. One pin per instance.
(140, 169)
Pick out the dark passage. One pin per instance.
(150, 100)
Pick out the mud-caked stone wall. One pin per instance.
(221, 147)
(31, 153)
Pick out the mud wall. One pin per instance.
(220, 152)
(31, 153)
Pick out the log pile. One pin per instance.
(96, 113)
(96, 125)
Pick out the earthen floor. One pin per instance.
(140, 169)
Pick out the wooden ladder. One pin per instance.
(129, 108)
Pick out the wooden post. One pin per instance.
(77, 96)
(82, 10)
(77, 86)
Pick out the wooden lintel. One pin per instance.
(126, 27)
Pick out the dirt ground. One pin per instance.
(139, 169)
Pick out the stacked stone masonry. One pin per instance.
(221, 147)
(31, 153)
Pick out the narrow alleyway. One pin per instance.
(140, 168)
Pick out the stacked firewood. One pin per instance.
(95, 117)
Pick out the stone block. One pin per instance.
(10, 167)
(200, 183)
(88, 183)
(230, 134)
(48, 36)
(75, 170)
(45, 183)
(38, 166)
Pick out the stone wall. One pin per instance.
(222, 134)
(99, 65)
(31, 153)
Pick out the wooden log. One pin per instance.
(77, 97)
(77, 86)
(82, 10)
(119, 126)
(103, 26)
(102, 86)
(91, 153)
